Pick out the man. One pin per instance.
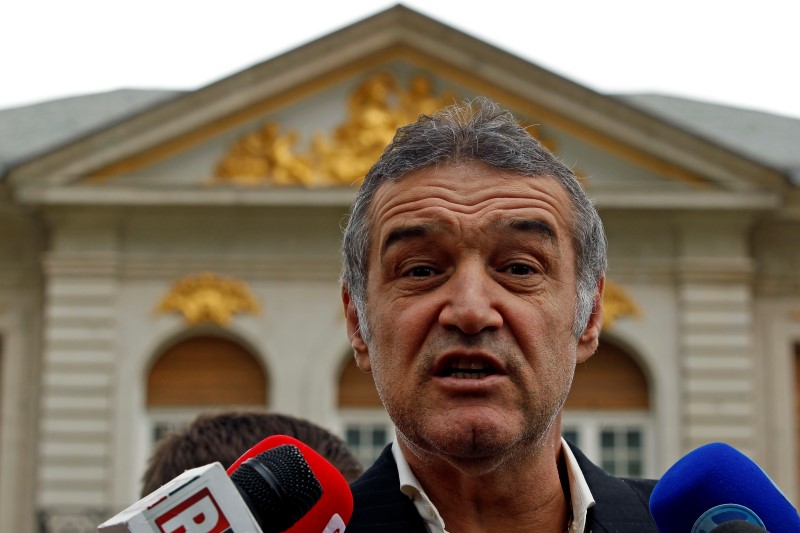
(472, 284)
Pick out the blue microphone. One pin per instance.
(715, 484)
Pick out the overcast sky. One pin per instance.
(745, 54)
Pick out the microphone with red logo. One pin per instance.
(328, 513)
(278, 485)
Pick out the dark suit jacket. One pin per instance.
(379, 506)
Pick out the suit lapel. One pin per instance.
(621, 505)
(378, 503)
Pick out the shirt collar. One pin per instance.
(580, 494)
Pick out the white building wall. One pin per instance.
(298, 335)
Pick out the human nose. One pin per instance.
(470, 305)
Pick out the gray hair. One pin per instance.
(477, 130)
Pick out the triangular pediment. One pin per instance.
(312, 120)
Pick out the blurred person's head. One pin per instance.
(225, 437)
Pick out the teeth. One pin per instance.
(464, 363)
(469, 368)
(469, 375)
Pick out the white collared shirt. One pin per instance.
(580, 494)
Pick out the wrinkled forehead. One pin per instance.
(469, 189)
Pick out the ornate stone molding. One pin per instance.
(207, 297)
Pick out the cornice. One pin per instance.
(207, 196)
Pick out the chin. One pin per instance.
(477, 454)
(473, 440)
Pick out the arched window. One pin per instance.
(608, 412)
(366, 425)
(201, 373)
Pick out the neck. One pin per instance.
(529, 492)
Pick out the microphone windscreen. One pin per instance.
(738, 526)
(278, 486)
(715, 484)
(336, 497)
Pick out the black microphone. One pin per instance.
(738, 526)
(328, 512)
(278, 487)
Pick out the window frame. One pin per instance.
(365, 417)
(591, 423)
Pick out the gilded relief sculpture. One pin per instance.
(208, 298)
(340, 158)
(617, 304)
(376, 108)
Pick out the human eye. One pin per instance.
(520, 269)
(420, 272)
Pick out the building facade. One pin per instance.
(185, 257)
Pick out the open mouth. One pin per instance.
(467, 368)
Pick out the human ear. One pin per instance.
(590, 338)
(360, 348)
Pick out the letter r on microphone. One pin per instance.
(199, 513)
(336, 525)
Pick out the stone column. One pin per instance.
(79, 359)
(20, 322)
(716, 329)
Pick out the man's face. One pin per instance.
(470, 302)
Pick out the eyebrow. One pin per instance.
(531, 225)
(404, 233)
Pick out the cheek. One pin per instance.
(391, 378)
(406, 322)
(398, 345)
(548, 345)
(389, 346)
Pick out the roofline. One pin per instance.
(610, 117)
(10, 164)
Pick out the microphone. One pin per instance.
(738, 526)
(716, 484)
(201, 500)
(332, 511)
(278, 485)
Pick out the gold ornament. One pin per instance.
(617, 304)
(375, 109)
(207, 297)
